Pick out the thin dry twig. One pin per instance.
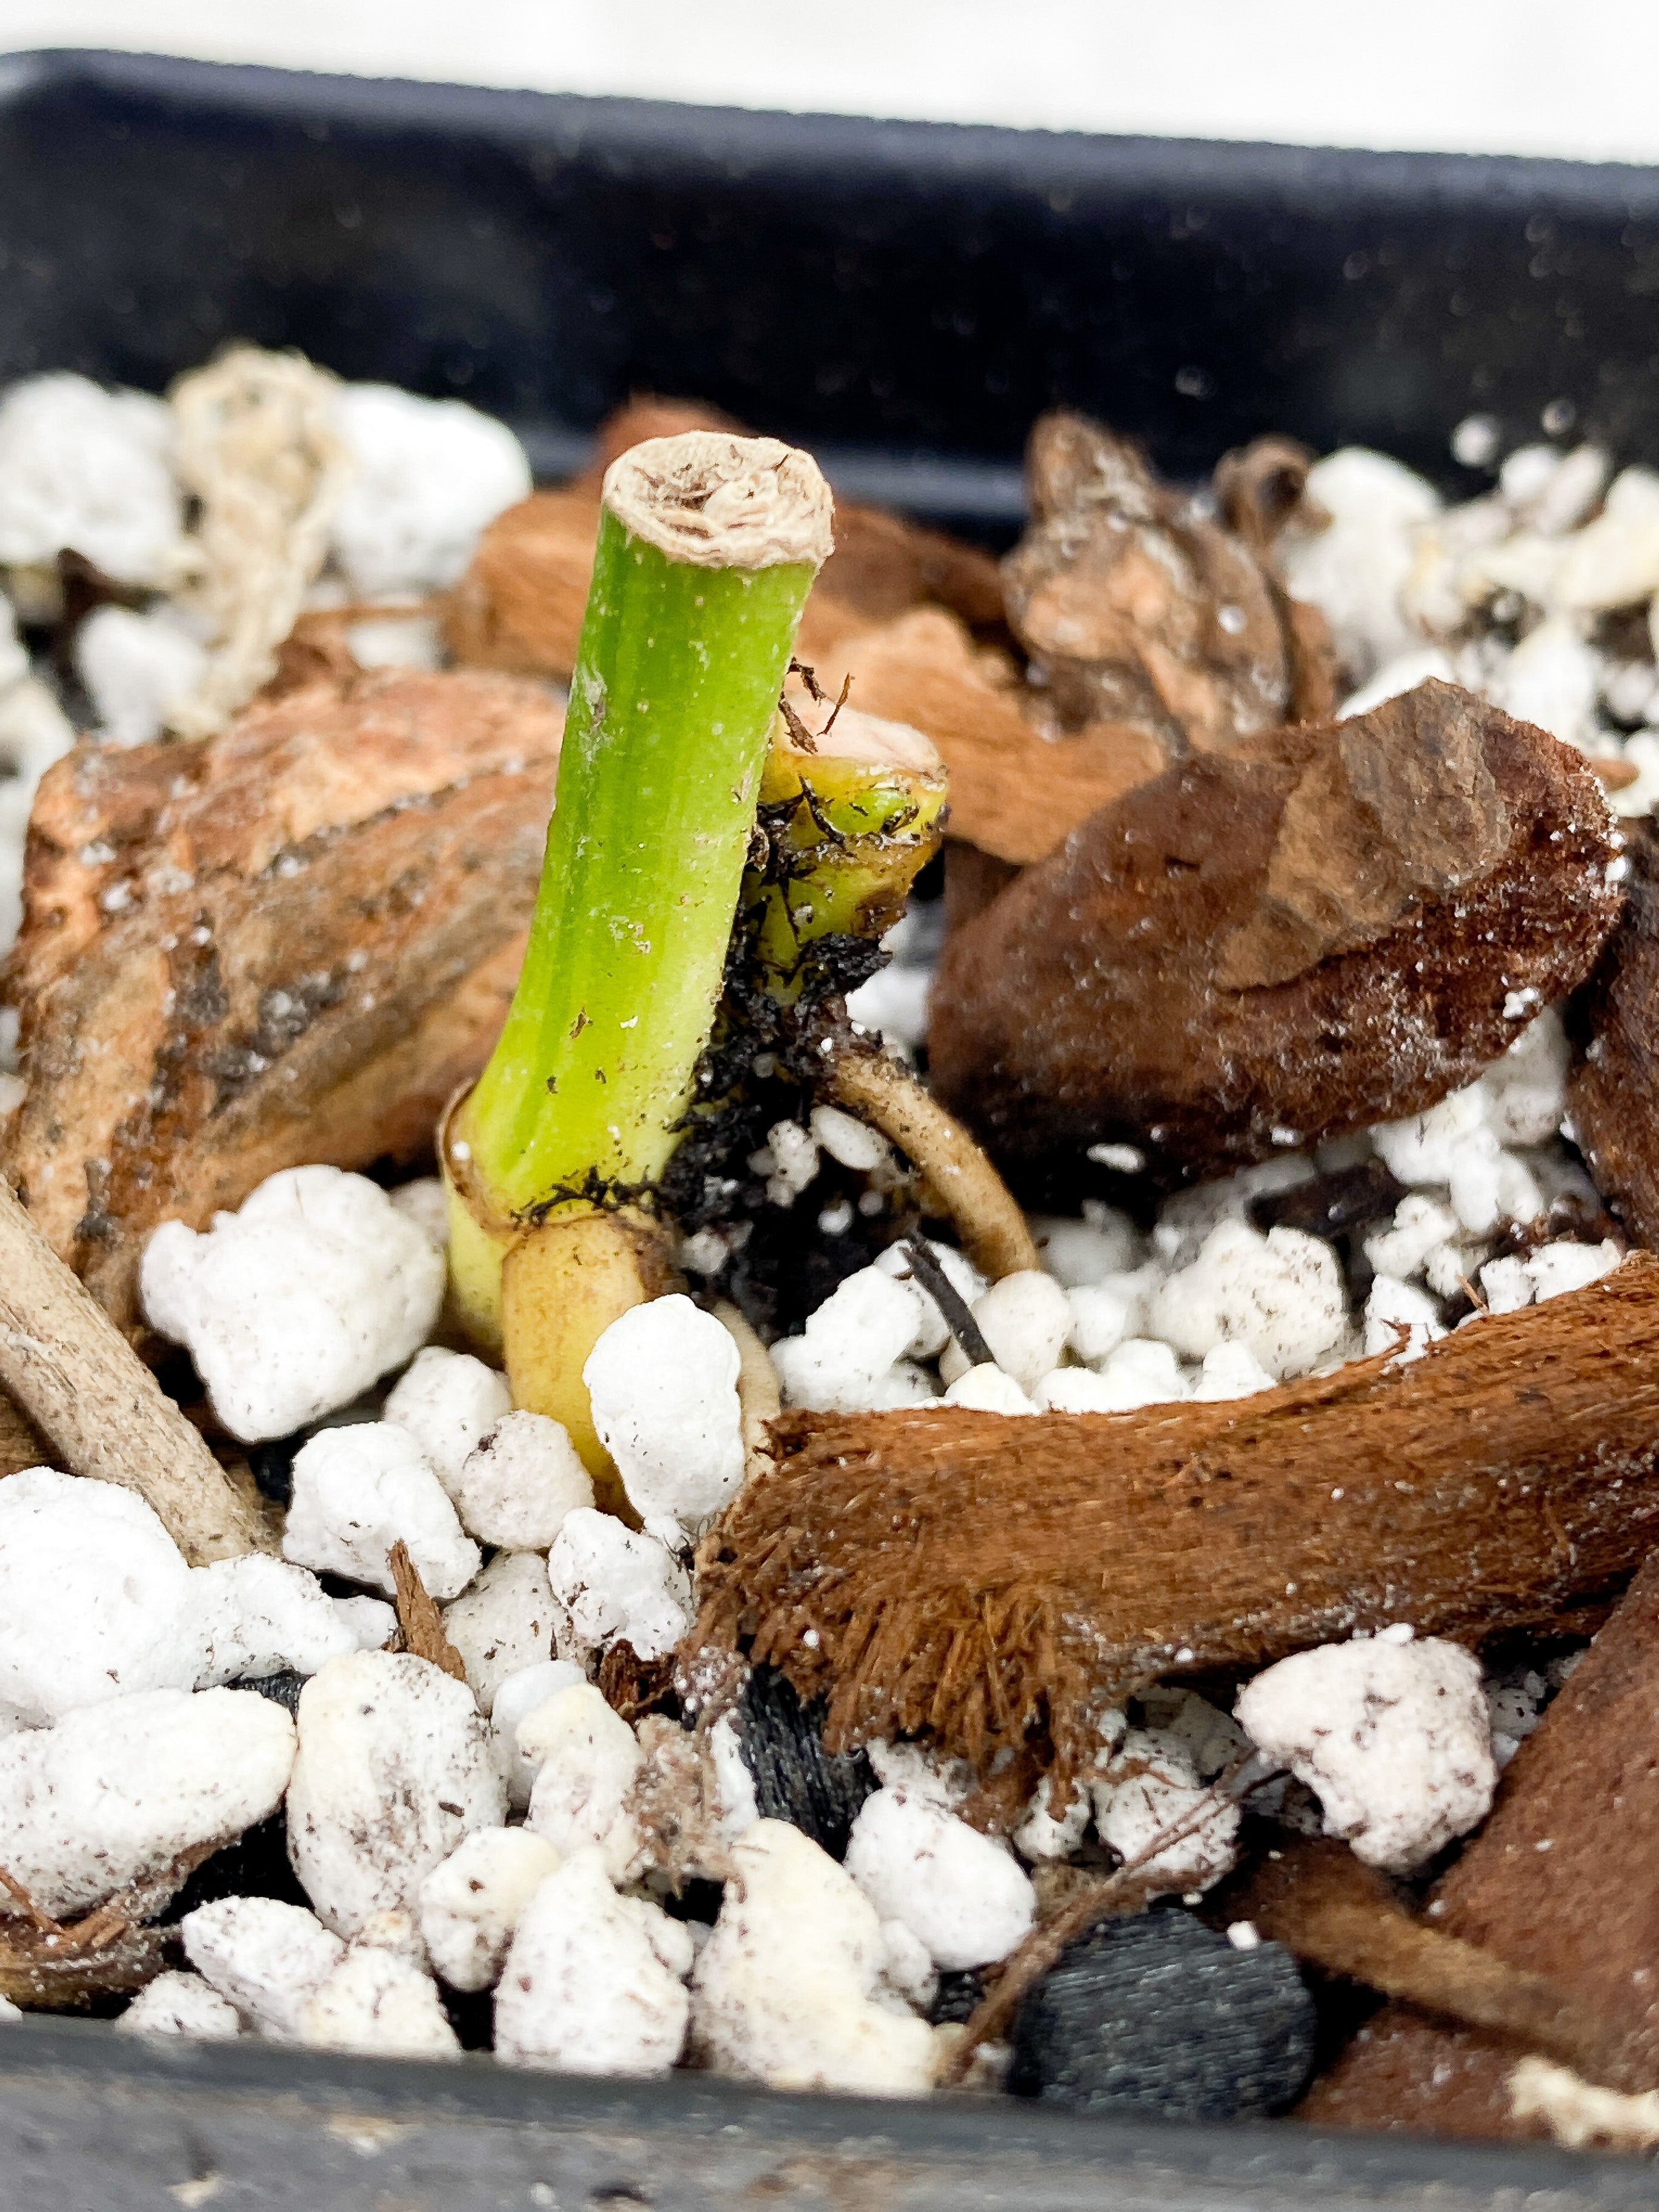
(1041, 1949)
(9, 1881)
(418, 1616)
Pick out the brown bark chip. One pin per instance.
(995, 1581)
(1320, 929)
(1561, 1882)
(419, 1618)
(1136, 604)
(1614, 1023)
(290, 943)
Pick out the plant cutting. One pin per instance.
(707, 546)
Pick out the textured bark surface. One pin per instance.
(1614, 1025)
(287, 944)
(1135, 603)
(1559, 1882)
(994, 1582)
(1324, 928)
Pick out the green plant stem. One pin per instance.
(671, 705)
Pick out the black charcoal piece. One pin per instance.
(796, 1779)
(1160, 2014)
(273, 1466)
(281, 1689)
(959, 1993)
(255, 1865)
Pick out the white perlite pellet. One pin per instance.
(1151, 1783)
(593, 1983)
(1024, 1319)
(615, 1583)
(138, 670)
(990, 1390)
(427, 475)
(849, 1359)
(1280, 1296)
(177, 2003)
(448, 1401)
(787, 1990)
(89, 472)
(517, 1696)
(470, 1904)
(1078, 1252)
(584, 1758)
(257, 1615)
(518, 1481)
(1392, 1737)
(115, 1793)
(94, 1596)
(265, 1957)
(293, 1305)
(503, 1623)
(378, 2001)
(1041, 1834)
(358, 1490)
(960, 1893)
(394, 1767)
(663, 1382)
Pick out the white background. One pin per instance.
(1522, 76)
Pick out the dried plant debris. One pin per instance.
(1316, 1898)
(1157, 2013)
(1324, 928)
(1555, 1884)
(1134, 603)
(996, 1583)
(289, 943)
(1614, 1025)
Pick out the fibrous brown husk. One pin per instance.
(290, 943)
(1136, 604)
(1558, 1883)
(1326, 928)
(994, 1581)
(1614, 1025)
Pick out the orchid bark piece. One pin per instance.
(1345, 923)
(82, 1385)
(287, 944)
(996, 1583)
(707, 546)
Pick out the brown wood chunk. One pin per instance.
(1323, 928)
(1559, 1882)
(1137, 605)
(994, 1581)
(1614, 1025)
(288, 943)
